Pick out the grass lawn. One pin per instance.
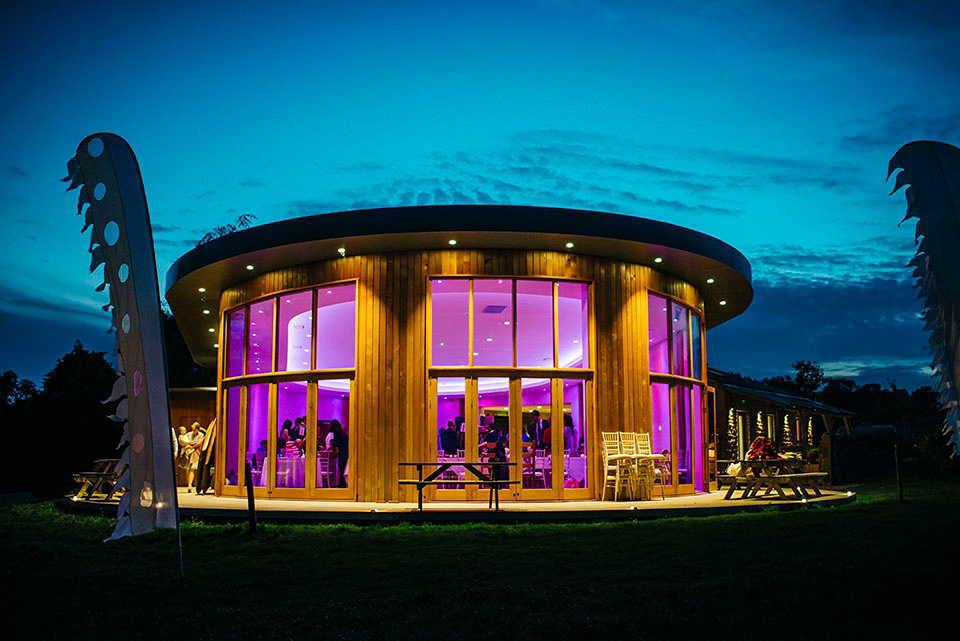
(873, 569)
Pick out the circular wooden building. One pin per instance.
(348, 343)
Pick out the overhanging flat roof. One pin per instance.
(221, 263)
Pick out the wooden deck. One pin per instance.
(232, 509)
(213, 508)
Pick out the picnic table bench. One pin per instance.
(435, 477)
(101, 481)
(768, 474)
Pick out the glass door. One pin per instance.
(454, 437)
(540, 447)
(576, 444)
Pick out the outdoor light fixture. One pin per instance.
(452, 241)
(250, 268)
(201, 289)
(206, 311)
(211, 330)
(658, 260)
(216, 345)
(489, 340)
(709, 281)
(342, 251)
(723, 302)
(569, 245)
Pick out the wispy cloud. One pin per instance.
(866, 322)
(879, 370)
(15, 170)
(252, 182)
(181, 242)
(66, 308)
(891, 129)
(852, 262)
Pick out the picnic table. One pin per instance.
(436, 477)
(773, 475)
(100, 481)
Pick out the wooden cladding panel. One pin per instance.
(185, 412)
(392, 392)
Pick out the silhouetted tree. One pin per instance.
(808, 378)
(243, 221)
(14, 389)
(66, 426)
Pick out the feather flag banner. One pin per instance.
(931, 173)
(113, 204)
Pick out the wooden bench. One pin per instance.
(807, 481)
(798, 483)
(435, 478)
(736, 482)
(101, 481)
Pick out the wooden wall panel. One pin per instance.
(185, 412)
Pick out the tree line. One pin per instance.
(61, 427)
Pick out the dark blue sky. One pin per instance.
(767, 125)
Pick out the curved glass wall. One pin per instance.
(268, 419)
(508, 325)
(675, 353)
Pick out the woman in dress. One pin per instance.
(194, 443)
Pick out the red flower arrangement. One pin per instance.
(762, 448)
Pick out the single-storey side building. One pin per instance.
(348, 343)
(747, 409)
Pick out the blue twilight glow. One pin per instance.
(767, 125)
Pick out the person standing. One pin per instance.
(193, 444)
(339, 443)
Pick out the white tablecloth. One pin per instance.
(291, 471)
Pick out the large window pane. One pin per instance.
(572, 324)
(260, 348)
(534, 323)
(235, 326)
(451, 410)
(494, 404)
(450, 305)
(232, 436)
(660, 438)
(696, 423)
(681, 339)
(258, 411)
(296, 321)
(492, 318)
(657, 339)
(336, 326)
(684, 458)
(574, 436)
(537, 438)
(697, 359)
(291, 434)
(333, 429)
